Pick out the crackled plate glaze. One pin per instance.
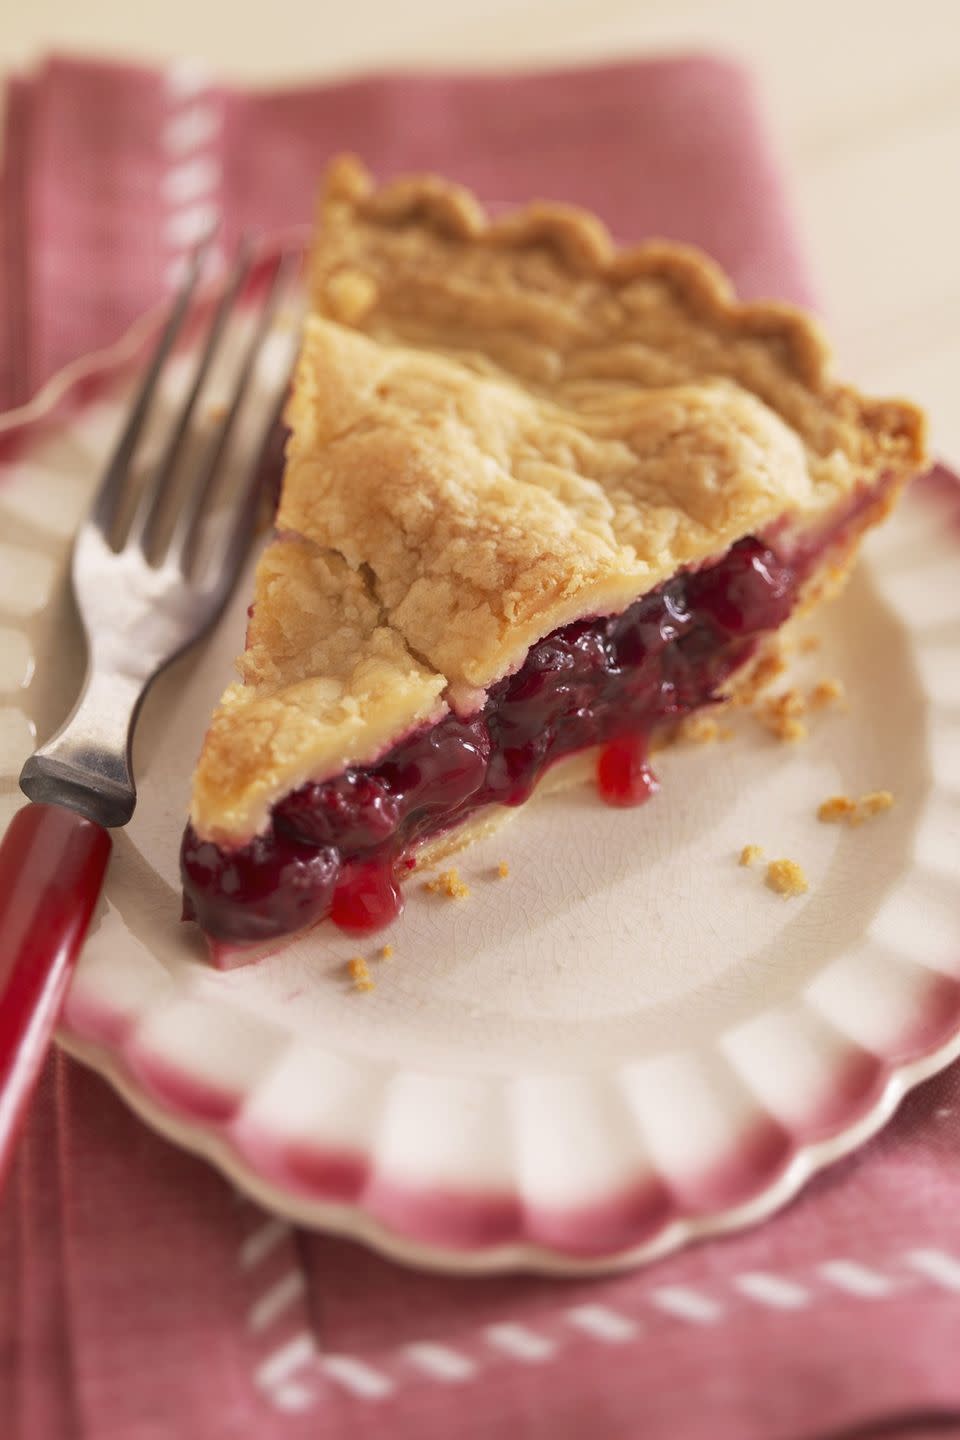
(627, 1043)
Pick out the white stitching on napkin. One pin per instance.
(283, 1377)
(857, 1279)
(439, 1362)
(292, 1398)
(188, 226)
(192, 127)
(191, 186)
(260, 1242)
(356, 1376)
(519, 1342)
(602, 1323)
(281, 1363)
(936, 1266)
(187, 76)
(772, 1290)
(285, 1356)
(274, 1301)
(192, 180)
(686, 1304)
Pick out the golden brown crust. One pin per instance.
(487, 516)
(556, 265)
(324, 685)
(499, 426)
(522, 425)
(786, 878)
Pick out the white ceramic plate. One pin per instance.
(626, 1044)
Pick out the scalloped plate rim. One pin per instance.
(353, 1223)
(804, 1158)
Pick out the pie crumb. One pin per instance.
(827, 692)
(503, 870)
(386, 952)
(766, 670)
(837, 807)
(772, 665)
(448, 883)
(855, 812)
(874, 804)
(750, 854)
(808, 643)
(786, 877)
(360, 973)
(704, 729)
(781, 715)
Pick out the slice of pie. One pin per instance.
(543, 499)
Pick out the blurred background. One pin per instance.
(863, 97)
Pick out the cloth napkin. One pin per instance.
(140, 1297)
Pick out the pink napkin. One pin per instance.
(140, 1298)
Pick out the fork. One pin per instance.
(142, 602)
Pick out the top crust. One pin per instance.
(487, 516)
(503, 425)
(324, 685)
(540, 290)
(528, 426)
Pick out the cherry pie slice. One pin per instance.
(543, 499)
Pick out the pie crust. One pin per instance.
(499, 426)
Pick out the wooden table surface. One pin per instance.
(863, 95)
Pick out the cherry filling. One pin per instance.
(336, 847)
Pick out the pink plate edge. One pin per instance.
(413, 1224)
(416, 1210)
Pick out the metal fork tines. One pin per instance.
(154, 565)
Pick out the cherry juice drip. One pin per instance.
(335, 847)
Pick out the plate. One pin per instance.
(627, 1043)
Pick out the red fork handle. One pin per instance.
(52, 864)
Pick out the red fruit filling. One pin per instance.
(334, 848)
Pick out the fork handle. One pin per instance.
(52, 864)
